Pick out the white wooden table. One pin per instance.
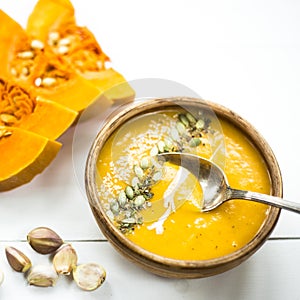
(242, 54)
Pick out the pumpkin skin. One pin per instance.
(83, 45)
(18, 165)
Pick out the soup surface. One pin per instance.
(133, 185)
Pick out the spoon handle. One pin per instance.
(262, 198)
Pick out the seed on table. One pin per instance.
(17, 259)
(42, 275)
(1, 277)
(89, 276)
(44, 240)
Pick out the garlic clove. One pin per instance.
(17, 259)
(44, 240)
(65, 259)
(89, 276)
(1, 277)
(42, 275)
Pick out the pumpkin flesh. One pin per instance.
(20, 107)
(18, 165)
(78, 47)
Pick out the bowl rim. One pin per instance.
(133, 251)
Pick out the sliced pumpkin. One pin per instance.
(76, 46)
(17, 58)
(19, 107)
(49, 119)
(30, 61)
(55, 80)
(59, 13)
(23, 155)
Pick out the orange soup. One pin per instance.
(131, 182)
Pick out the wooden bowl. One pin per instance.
(157, 264)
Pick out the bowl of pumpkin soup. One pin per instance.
(150, 210)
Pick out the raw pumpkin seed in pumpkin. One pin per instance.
(53, 22)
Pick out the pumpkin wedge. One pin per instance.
(76, 46)
(23, 155)
(29, 61)
(17, 57)
(19, 107)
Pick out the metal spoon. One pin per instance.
(216, 189)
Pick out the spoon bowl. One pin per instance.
(216, 189)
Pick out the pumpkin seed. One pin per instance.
(190, 118)
(48, 81)
(25, 55)
(64, 42)
(139, 201)
(135, 181)
(4, 133)
(200, 124)
(25, 71)
(180, 127)
(194, 142)
(63, 49)
(138, 171)
(144, 164)
(161, 146)
(53, 37)
(37, 44)
(175, 134)
(38, 81)
(8, 119)
(114, 207)
(168, 143)
(183, 119)
(110, 214)
(13, 72)
(154, 151)
(129, 192)
(122, 198)
(157, 176)
(129, 221)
